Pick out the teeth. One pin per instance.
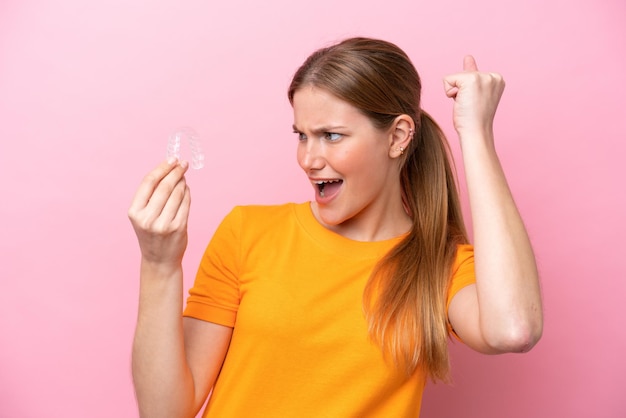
(321, 184)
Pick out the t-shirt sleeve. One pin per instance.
(215, 294)
(463, 274)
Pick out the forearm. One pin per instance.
(163, 381)
(507, 285)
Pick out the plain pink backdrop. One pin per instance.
(89, 92)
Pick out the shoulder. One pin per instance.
(249, 226)
(255, 219)
(464, 256)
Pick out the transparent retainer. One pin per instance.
(193, 141)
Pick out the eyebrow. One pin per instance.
(321, 129)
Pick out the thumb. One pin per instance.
(469, 63)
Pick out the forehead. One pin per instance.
(313, 106)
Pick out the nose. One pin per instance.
(310, 155)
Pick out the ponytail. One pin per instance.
(405, 298)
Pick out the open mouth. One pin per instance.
(328, 188)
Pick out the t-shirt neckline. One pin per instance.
(338, 244)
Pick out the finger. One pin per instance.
(450, 86)
(173, 203)
(165, 188)
(182, 215)
(469, 63)
(150, 182)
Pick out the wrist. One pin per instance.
(153, 269)
(476, 136)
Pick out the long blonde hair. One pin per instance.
(405, 297)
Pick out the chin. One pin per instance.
(331, 217)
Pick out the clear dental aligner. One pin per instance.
(193, 141)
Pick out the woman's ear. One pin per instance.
(402, 131)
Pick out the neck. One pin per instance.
(373, 223)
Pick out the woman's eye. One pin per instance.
(331, 136)
(301, 136)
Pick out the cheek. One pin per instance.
(358, 160)
(367, 166)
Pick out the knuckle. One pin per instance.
(150, 178)
(475, 77)
(161, 229)
(145, 225)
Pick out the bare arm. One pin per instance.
(502, 312)
(175, 361)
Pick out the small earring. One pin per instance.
(401, 150)
(411, 132)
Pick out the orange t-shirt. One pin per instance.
(292, 291)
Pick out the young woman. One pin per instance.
(342, 306)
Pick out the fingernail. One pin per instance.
(171, 160)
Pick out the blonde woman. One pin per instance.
(341, 306)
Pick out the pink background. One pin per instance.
(89, 92)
